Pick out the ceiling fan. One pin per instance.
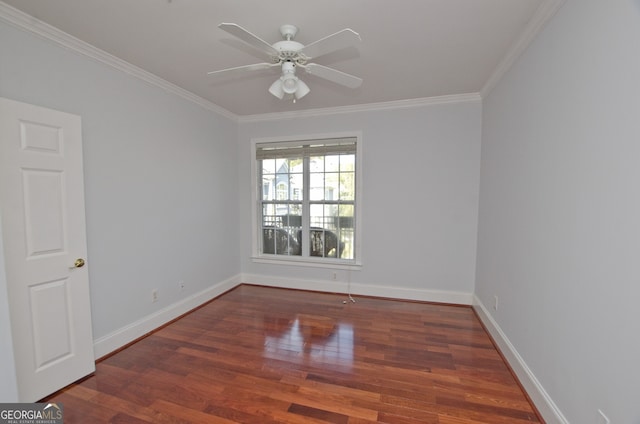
(290, 55)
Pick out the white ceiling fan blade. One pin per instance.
(245, 68)
(333, 75)
(341, 39)
(249, 38)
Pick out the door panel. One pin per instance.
(40, 137)
(43, 211)
(43, 226)
(50, 322)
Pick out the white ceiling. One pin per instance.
(410, 49)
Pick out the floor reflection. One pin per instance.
(309, 338)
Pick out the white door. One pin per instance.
(43, 227)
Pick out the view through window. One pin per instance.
(308, 198)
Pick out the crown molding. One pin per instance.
(368, 107)
(35, 26)
(545, 12)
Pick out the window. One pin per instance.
(307, 204)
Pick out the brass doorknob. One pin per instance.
(79, 263)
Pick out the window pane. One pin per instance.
(269, 215)
(347, 186)
(346, 210)
(268, 187)
(282, 192)
(347, 163)
(324, 240)
(316, 186)
(332, 163)
(268, 166)
(296, 188)
(295, 209)
(346, 243)
(318, 241)
(316, 164)
(345, 230)
(330, 215)
(282, 166)
(268, 211)
(295, 166)
(331, 186)
(317, 215)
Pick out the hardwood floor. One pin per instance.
(266, 355)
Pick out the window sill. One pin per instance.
(307, 262)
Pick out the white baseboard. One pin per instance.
(119, 338)
(537, 393)
(404, 293)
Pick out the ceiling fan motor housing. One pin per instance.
(288, 50)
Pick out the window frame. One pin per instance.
(256, 192)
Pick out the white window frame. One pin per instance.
(256, 191)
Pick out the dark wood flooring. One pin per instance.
(265, 355)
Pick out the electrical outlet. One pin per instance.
(334, 276)
(154, 295)
(495, 303)
(181, 285)
(602, 419)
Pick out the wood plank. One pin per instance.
(265, 355)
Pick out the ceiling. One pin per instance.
(410, 49)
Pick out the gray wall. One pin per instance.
(161, 201)
(559, 227)
(419, 201)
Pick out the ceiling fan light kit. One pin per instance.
(289, 84)
(289, 55)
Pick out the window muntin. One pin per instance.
(307, 204)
